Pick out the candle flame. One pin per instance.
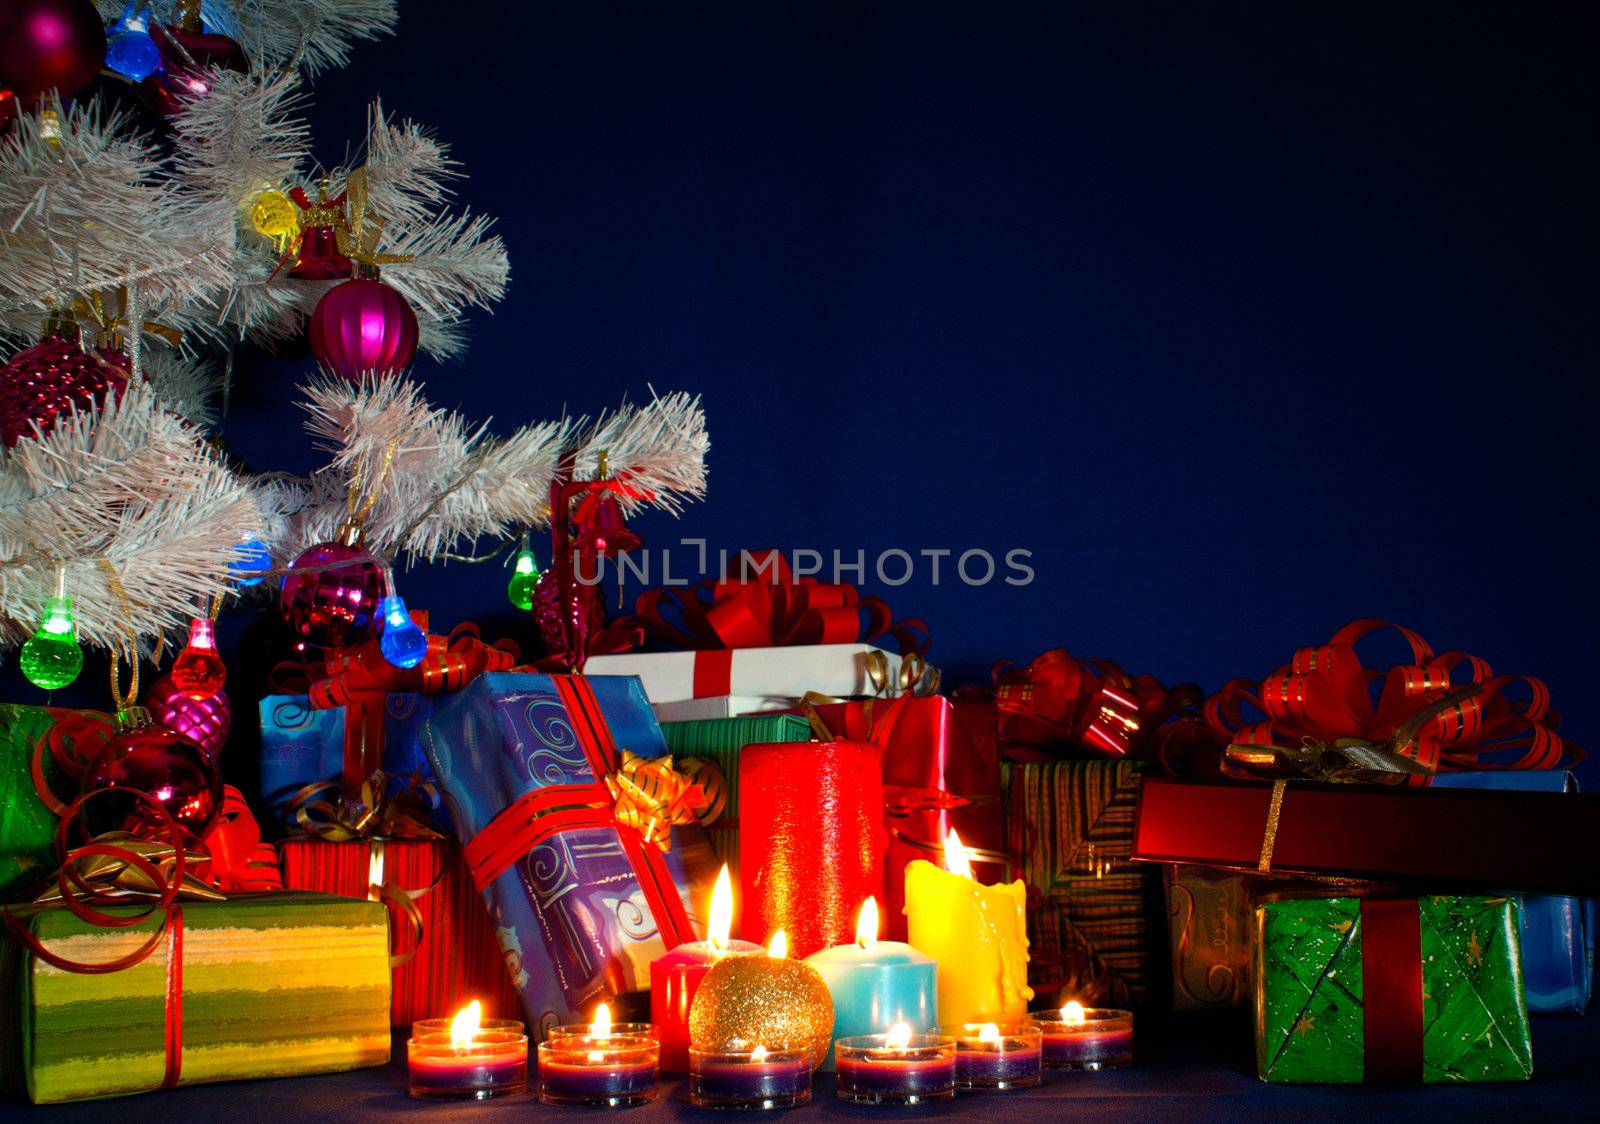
(989, 1032)
(464, 1027)
(721, 911)
(1073, 1013)
(778, 949)
(601, 1027)
(759, 1054)
(899, 1036)
(867, 923)
(955, 856)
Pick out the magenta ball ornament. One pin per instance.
(50, 45)
(163, 764)
(205, 722)
(363, 326)
(335, 607)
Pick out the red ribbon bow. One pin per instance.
(767, 606)
(1059, 699)
(237, 861)
(358, 679)
(1325, 694)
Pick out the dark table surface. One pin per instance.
(1192, 1068)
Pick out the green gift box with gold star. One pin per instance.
(1389, 990)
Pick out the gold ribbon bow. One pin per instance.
(358, 239)
(652, 795)
(93, 311)
(112, 877)
(917, 676)
(377, 814)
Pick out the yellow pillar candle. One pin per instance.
(977, 934)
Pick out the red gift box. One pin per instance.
(937, 776)
(458, 958)
(1503, 840)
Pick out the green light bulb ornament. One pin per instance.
(51, 658)
(524, 578)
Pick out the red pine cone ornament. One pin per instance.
(203, 721)
(363, 326)
(51, 378)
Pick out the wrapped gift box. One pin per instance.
(1533, 842)
(260, 985)
(27, 825)
(769, 673)
(303, 745)
(719, 741)
(1208, 926)
(1094, 918)
(457, 958)
(581, 900)
(722, 706)
(936, 779)
(1389, 990)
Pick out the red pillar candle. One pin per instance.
(676, 975)
(809, 839)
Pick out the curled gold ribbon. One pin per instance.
(378, 813)
(651, 795)
(917, 676)
(358, 240)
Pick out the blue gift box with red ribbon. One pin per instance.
(582, 899)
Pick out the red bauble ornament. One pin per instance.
(50, 45)
(205, 722)
(363, 327)
(187, 58)
(8, 111)
(334, 607)
(161, 763)
(199, 671)
(50, 378)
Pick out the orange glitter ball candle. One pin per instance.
(810, 840)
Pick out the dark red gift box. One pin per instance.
(1532, 842)
(458, 958)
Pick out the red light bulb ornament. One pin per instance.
(199, 671)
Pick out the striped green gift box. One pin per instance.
(1094, 926)
(719, 741)
(273, 985)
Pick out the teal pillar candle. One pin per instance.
(876, 984)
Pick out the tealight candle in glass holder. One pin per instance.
(748, 1075)
(1086, 1038)
(466, 1057)
(895, 1068)
(996, 1055)
(597, 1064)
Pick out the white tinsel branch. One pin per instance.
(659, 448)
(313, 35)
(134, 487)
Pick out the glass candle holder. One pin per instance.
(602, 1030)
(613, 1071)
(493, 1064)
(442, 1026)
(917, 1070)
(1101, 1039)
(749, 1075)
(997, 1055)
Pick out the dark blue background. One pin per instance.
(1245, 320)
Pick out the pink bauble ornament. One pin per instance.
(363, 326)
(334, 607)
(205, 722)
(50, 45)
(50, 378)
(173, 770)
(187, 60)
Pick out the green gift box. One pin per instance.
(259, 985)
(27, 825)
(719, 741)
(1390, 990)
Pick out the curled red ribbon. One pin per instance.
(765, 605)
(1325, 694)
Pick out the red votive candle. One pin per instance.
(895, 1069)
(1086, 1038)
(996, 1056)
(739, 1075)
(675, 976)
(810, 814)
(613, 1071)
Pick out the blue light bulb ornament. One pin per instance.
(51, 658)
(402, 643)
(129, 49)
(251, 561)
